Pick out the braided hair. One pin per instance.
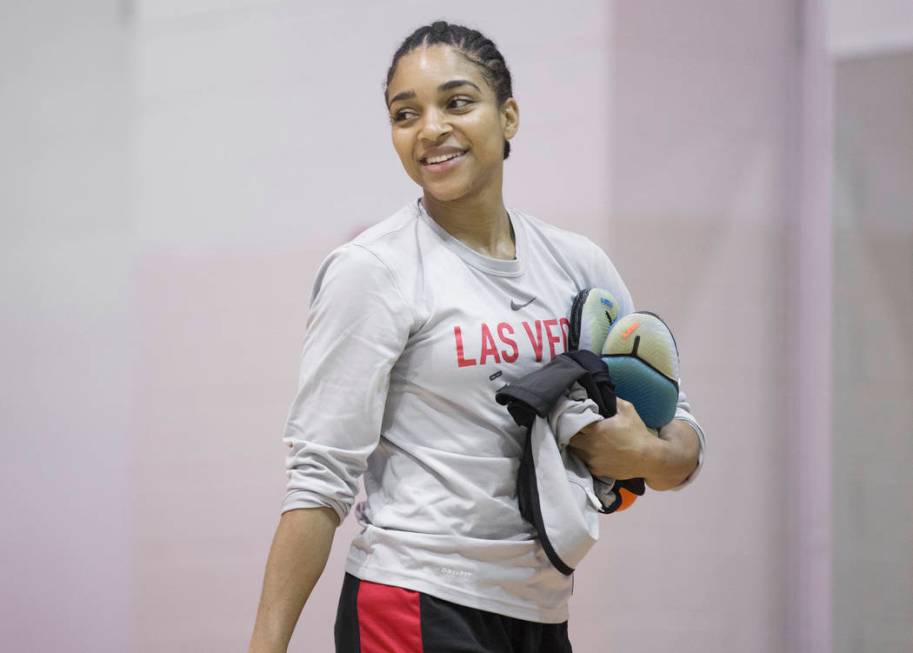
(473, 45)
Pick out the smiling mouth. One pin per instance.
(439, 161)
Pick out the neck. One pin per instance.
(480, 222)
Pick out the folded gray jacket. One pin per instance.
(557, 493)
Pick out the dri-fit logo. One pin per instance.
(503, 342)
(447, 571)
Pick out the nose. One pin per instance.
(434, 125)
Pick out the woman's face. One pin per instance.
(441, 106)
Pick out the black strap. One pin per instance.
(531, 509)
(540, 390)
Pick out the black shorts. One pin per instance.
(376, 618)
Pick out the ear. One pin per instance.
(510, 118)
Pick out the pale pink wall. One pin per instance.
(860, 27)
(66, 530)
(706, 117)
(872, 42)
(873, 381)
(160, 263)
(809, 601)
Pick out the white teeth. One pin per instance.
(442, 158)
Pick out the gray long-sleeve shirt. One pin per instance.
(410, 334)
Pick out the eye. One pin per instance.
(402, 115)
(465, 102)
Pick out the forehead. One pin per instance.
(425, 68)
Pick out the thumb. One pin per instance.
(624, 406)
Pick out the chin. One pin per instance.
(445, 192)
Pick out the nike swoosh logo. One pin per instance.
(516, 307)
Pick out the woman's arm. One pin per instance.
(623, 447)
(358, 325)
(675, 458)
(297, 557)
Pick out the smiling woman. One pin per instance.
(452, 116)
(414, 325)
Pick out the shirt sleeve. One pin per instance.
(607, 277)
(683, 412)
(357, 328)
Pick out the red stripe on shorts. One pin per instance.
(389, 619)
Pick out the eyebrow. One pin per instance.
(446, 86)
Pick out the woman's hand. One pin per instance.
(622, 447)
(619, 447)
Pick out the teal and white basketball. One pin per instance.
(643, 362)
